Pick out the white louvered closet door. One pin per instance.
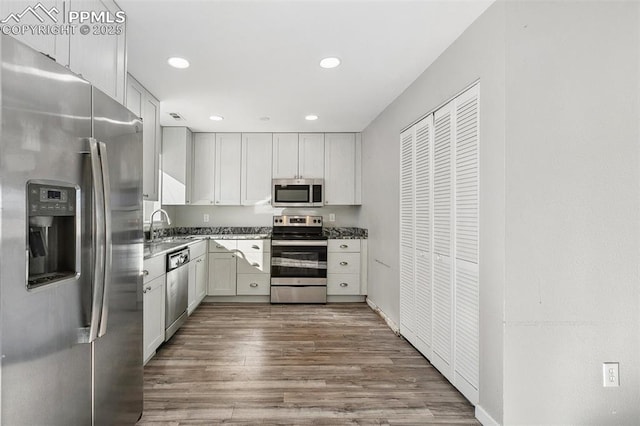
(407, 226)
(442, 343)
(466, 351)
(423, 233)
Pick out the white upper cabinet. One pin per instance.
(203, 168)
(256, 168)
(52, 45)
(227, 170)
(342, 164)
(100, 56)
(145, 105)
(285, 155)
(311, 155)
(298, 155)
(176, 165)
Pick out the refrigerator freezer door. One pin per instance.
(118, 350)
(46, 114)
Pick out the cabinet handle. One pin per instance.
(344, 263)
(145, 272)
(344, 285)
(256, 264)
(145, 195)
(255, 247)
(344, 246)
(199, 260)
(254, 285)
(233, 255)
(146, 289)
(219, 246)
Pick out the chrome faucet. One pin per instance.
(151, 219)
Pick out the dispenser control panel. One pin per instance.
(48, 200)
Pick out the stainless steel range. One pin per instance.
(298, 260)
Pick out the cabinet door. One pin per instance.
(145, 105)
(311, 155)
(55, 46)
(100, 58)
(191, 299)
(222, 274)
(203, 166)
(151, 138)
(135, 95)
(228, 169)
(341, 166)
(285, 155)
(201, 278)
(256, 168)
(176, 159)
(153, 315)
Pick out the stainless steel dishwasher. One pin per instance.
(177, 291)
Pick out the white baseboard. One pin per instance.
(392, 325)
(484, 417)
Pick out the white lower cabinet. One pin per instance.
(239, 267)
(202, 277)
(153, 300)
(345, 271)
(222, 274)
(197, 274)
(253, 284)
(343, 284)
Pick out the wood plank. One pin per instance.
(335, 364)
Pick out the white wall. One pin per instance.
(573, 212)
(255, 215)
(559, 204)
(477, 54)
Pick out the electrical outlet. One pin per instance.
(611, 374)
(332, 217)
(205, 218)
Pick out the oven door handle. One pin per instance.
(300, 243)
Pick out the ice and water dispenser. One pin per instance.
(53, 233)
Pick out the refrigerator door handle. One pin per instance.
(108, 244)
(99, 244)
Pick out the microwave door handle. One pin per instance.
(108, 243)
(98, 244)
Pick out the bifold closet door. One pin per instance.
(443, 242)
(407, 226)
(466, 309)
(423, 233)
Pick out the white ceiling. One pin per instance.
(251, 59)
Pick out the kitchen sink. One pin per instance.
(164, 244)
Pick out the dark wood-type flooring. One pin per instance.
(260, 364)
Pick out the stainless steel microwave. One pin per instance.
(297, 193)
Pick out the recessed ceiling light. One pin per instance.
(311, 117)
(177, 62)
(216, 118)
(329, 62)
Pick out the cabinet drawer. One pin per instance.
(343, 263)
(344, 245)
(254, 263)
(343, 284)
(254, 246)
(154, 267)
(197, 249)
(253, 284)
(222, 246)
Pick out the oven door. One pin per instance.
(298, 262)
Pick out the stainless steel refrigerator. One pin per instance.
(71, 248)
